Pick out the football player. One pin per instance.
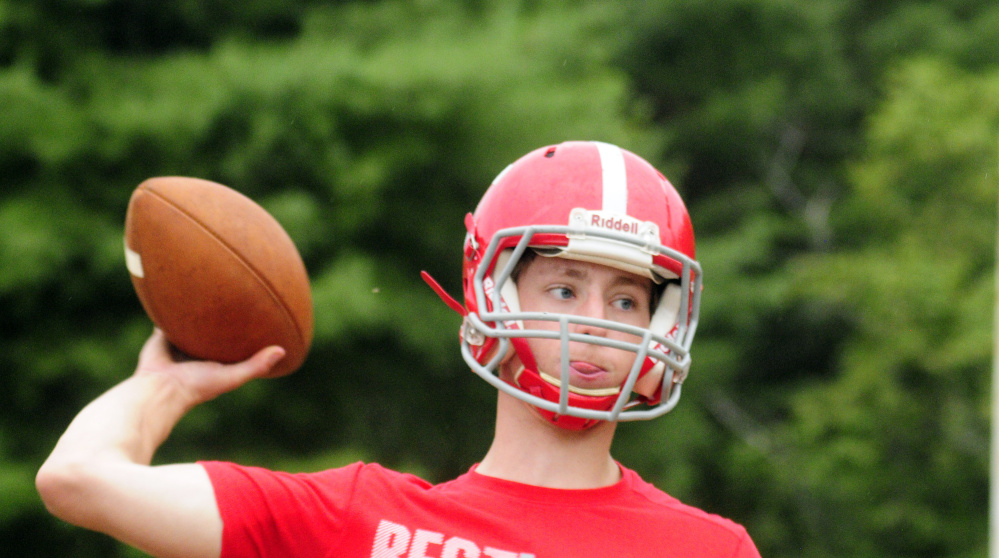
(581, 301)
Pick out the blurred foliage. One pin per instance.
(839, 159)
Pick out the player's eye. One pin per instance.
(561, 293)
(625, 304)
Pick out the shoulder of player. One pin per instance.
(368, 474)
(377, 473)
(351, 474)
(656, 498)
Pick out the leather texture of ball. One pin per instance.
(217, 273)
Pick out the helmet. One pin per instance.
(596, 203)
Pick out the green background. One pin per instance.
(839, 159)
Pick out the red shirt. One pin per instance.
(367, 511)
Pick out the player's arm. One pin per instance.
(99, 474)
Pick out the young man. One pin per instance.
(581, 302)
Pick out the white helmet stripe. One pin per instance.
(615, 181)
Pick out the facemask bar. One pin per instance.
(504, 327)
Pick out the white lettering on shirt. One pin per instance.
(393, 540)
(422, 540)
(456, 545)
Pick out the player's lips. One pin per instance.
(586, 371)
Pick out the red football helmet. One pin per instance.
(596, 203)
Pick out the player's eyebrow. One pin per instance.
(581, 273)
(629, 280)
(574, 272)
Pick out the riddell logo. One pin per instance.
(581, 220)
(614, 223)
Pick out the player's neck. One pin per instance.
(528, 450)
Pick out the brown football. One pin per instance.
(216, 272)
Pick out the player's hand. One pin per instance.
(200, 380)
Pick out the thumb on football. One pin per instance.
(235, 375)
(222, 378)
(260, 364)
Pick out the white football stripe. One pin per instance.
(133, 261)
(614, 178)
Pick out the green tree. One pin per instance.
(833, 154)
(903, 428)
(816, 146)
(369, 146)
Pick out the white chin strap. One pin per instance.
(594, 392)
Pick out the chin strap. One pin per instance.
(448, 299)
(529, 379)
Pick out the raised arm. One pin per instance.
(99, 475)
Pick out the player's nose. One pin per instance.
(592, 307)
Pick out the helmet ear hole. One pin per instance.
(508, 290)
(509, 296)
(664, 317)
